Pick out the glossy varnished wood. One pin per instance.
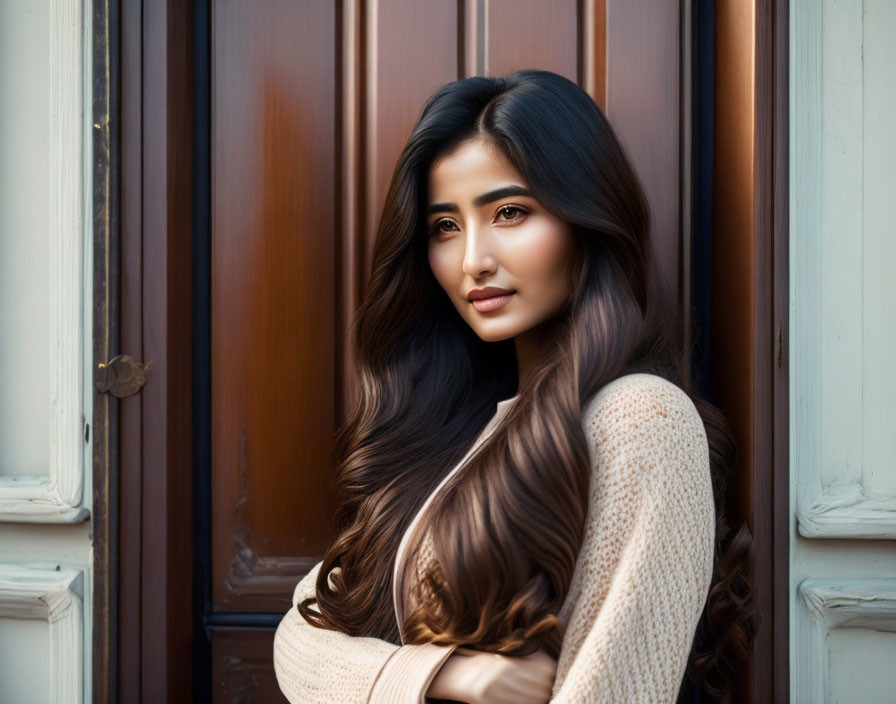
(275, 292)
(750, 294)
(310, 105)
(643, 103)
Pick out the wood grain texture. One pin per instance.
(130, 496)
(274, 293)
(643, 103)
(311, 103)
(410, 49)
(744, 326)
(105, 311)
(735, 305)
(164, 469)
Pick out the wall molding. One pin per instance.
(56, 497)
(846, 511)
(829, 300)
(827, 604)
(54, 595)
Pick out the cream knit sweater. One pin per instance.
(637, 591)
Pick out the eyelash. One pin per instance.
(434, 230)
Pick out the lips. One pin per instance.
(487, 292)
(484, 305)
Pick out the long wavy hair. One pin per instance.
(507, 529)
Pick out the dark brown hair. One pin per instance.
(507, 529)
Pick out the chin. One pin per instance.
(495, 335)
(494, 338)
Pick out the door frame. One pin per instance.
(750, 376)
(153, 653)
(105, 330)
(155, 567)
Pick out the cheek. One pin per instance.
(441, 266)
(548, 256)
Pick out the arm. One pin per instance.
(647, 555)
(313, 665)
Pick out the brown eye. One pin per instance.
(437, 227)
(511, 209)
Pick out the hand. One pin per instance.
(478, 677)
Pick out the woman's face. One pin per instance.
(486, 231)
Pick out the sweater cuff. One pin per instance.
(408, 673)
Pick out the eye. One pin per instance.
(511, 209)
(506, 210)
(437, 227)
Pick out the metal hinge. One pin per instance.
(121, 376)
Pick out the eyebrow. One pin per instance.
(478, 201)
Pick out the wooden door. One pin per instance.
(254, 167)
(311, 103)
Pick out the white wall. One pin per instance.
(45, 345)
(843, 337)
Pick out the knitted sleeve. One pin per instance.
(318, 666)
(647, 555)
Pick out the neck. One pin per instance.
(532, 347)
(529, 352)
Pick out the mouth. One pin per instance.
(484, 305)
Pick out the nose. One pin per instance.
(478, 258)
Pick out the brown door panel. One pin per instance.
(274, 293)
(310, 104)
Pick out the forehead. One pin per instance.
(470, 169)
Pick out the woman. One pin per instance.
(531, 494)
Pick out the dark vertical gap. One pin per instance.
(141, 72)
(340, 187)
(201, 344)
(481, 39)
(363, 119)
(580, 43)
(704, 96)
(461, 40)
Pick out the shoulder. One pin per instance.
(647, 416)
(651, 470)
(638, 403)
